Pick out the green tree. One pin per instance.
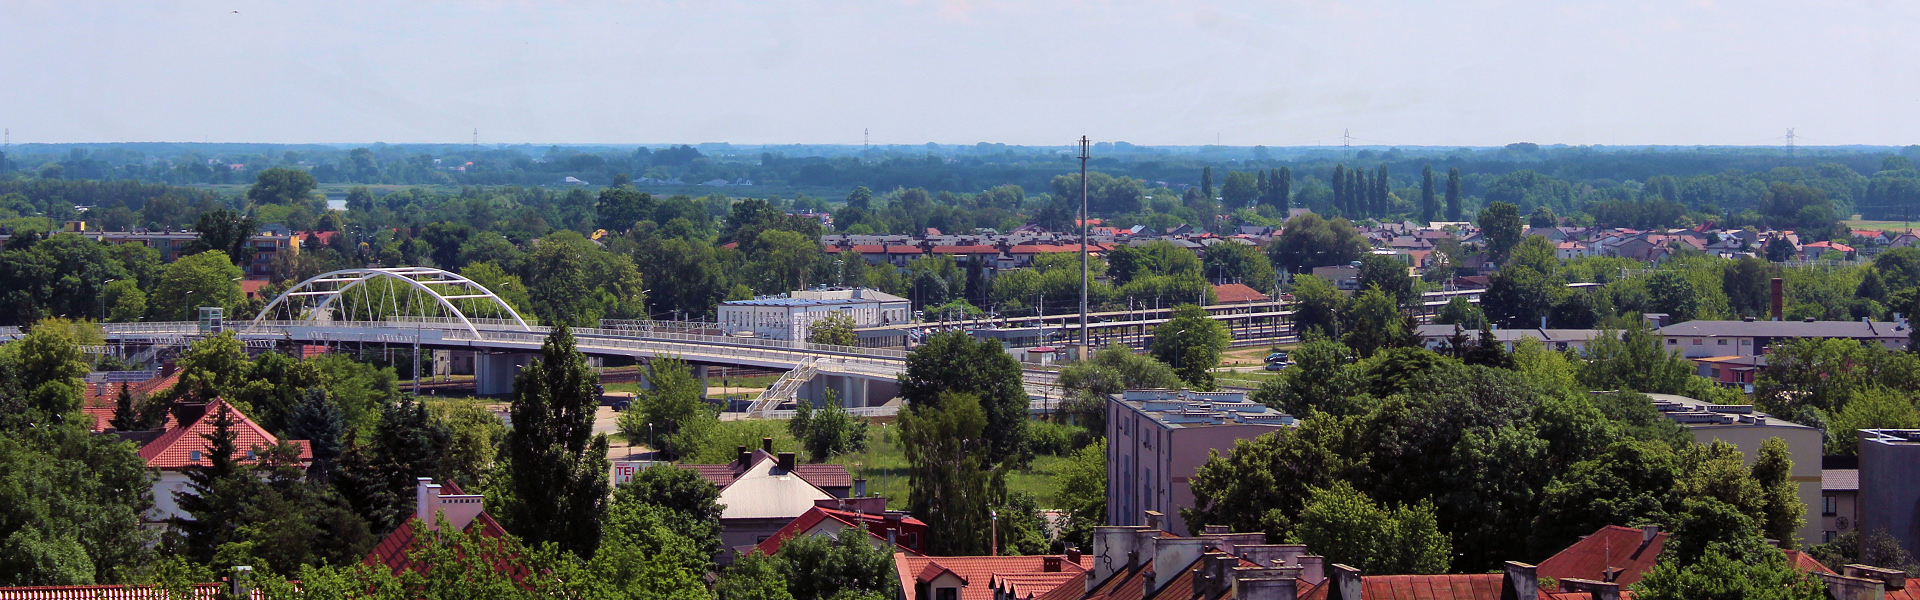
(1389, 274)
(1720, 576)
(70, 507)
(1745, 281)
(1317, 306)
(827, 432)
(1206, 182)
(1782, 511)
(643, 555)
(217, 492)
(407, 445)
(951, 363)
(834, 328)
(281, 185)
(1462, 312)
(1241, 189)
(674, 416)
(225, 231)
(554, 484)
(1671, 293)
(1373, 322)
(1632, 483)
(125, 301)
(1453, 194)
(752, 576)
(1518, 297)
(1238, 263)
(1429, 208)
(1500, 222)
(1191, 343)
(692, 503)
(1346, 526)
(1113, 369)
(820, 567)
(619, 208)
(1308, 242)
(1635, 360)
(1080, 490)
(204, 279)
(954, 477)
(573, 281)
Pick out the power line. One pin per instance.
(1789, 141)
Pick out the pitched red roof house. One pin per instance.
(185, 445)
(976, 577)
(465, 512)
(1237, 293)
(1623, 555)
(764, 493)
(100, 399)
(907, 533)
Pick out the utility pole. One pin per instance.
(1084, 337)
(1346, 138)
(1789, 141)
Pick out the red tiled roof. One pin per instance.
(174, 449)
(1836, 246)
(904, 250)
(821, 476)
(974, 249)
(870, 249)
(1232, 293)
(1801, 561)
(806, 521)
(978, 571)
(252, 286)
(1612, 547)
(392, 551)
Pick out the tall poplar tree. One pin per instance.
(1453, 194)
(1283, 189)
(1427, 206)
(1266, 188)
(557, 466)
(1206, 182)
(1382, 187)
(1340, 190)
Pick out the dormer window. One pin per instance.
(194, 456)
(250, 455)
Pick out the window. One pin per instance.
(194, 456)
(251, 456)
(1826, 536)
(1829, 505)
(1671, 341)
(1746, 342)
(1696, 341)
(1720, 342)
(946, 593)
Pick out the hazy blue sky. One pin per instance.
(1462, 72)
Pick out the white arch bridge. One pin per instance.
(430, 308)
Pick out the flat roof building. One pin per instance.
(1701, 339)
(1156, 439)
(1746, 428)
(1889, 484)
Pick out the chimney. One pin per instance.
(1174, 554)
(1050, 564)
(893, 538)
(1217, 573)
(1073, 554)
(740, 453)
(767, 444)
(1155, 520)
(1647, 533)
(1266, 589)
(1596, 590)
(426, 499)
(1112, 547)
(1265, 555)
(786, 462)
(1521, 583)
(1779, 298)
(859, 488)
(1144, 547)
(240, 584)
(1312, 569)
(1346, 583)
(1893, 578)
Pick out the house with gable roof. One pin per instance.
(183, 444)
(763, 492)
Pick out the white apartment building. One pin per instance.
(791, 316)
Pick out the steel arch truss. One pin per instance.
(377, 294)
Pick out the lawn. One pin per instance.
(883, 465)
(1888, 226)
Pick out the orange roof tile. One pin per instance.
(978, 571)
(871, 522)
(178, 447)
(1233, 293)
(1612, 547)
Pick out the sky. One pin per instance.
(1275, 73)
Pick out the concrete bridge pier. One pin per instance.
(852, 391)
(493, 372)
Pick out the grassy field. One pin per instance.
(1888, 226)
(883, 465)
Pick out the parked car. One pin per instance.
(1279, 356)
(621, 405)
(1277, 366)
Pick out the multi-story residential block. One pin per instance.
(1157, 438)
(791, 316)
